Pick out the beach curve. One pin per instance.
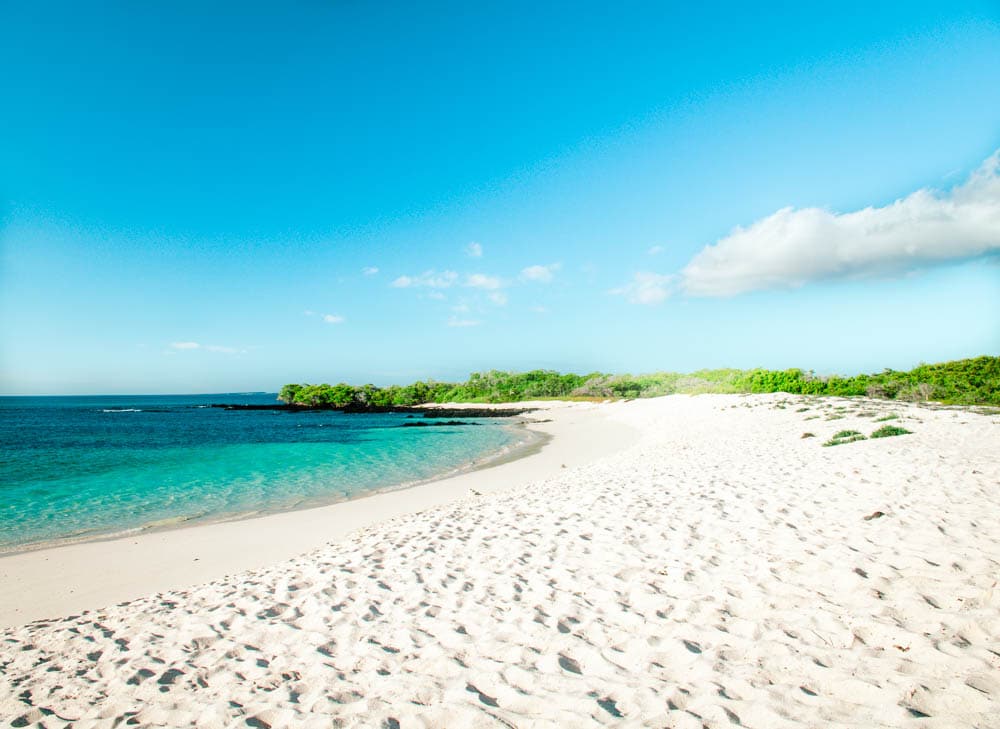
(723, 570)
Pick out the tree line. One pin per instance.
(967, 381)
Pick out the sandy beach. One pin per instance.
(673, 562)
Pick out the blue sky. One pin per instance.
(196, 200)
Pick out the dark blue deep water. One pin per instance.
(86, 467)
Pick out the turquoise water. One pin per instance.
(87, 467)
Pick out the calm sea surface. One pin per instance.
(85, 467)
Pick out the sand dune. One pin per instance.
(723, 571)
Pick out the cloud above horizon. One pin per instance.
(190, 346)
(483, 281)
(461, 323)
(474, 250)
(793, 247)
(539, 273)
(328, 318)
(646, 288)
(431, 279)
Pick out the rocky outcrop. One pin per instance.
(422, 410)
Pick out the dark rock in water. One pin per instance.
(421, 424)
(471, 412)
(414, 411)
(228, 406)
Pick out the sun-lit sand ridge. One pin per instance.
(721, 571)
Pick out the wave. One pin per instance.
(121, 410)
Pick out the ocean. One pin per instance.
(77, 468)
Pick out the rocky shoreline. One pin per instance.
(423, 410)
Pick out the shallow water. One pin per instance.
(86, 467)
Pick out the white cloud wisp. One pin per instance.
(483, 281)
(646, 288)
(793, 247)
(462, 323)
(191, 346)
(539, 273)
(430, 279)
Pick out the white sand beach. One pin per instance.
(674, 562)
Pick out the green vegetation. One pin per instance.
(844, 436)
(964, 382)
(890, 416)
(887, 431)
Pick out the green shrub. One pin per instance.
(887, 431)
(845, 436)
(966, 382)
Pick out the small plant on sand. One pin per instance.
(801, 410)
(808, 435)
(887, 431)
(812, 417)
(834, 417)
(890, 416)
(845, 436)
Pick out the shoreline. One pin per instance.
(58, 580)
(505, 454)
(680, 561)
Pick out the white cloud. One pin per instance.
(456, 322)
(474, 250)
(482, 281)
(539, 309)
(460, 308)
(431, 279)
(792, 247)
(309, 312)
(436, 295)
(333, 319)
(499, 298)
(369, 270)
(655, 250)
(540, 274)
(190, 346)
(646, 288)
